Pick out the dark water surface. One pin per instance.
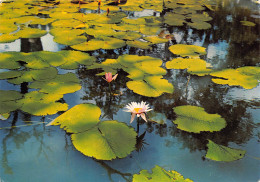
(37, 153)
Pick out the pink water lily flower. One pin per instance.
(109, 77)
(138, 109)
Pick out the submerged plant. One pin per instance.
(138, 109)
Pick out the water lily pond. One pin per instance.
(129, 90)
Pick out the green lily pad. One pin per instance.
(60, 32)
(41, 104)
(105, 140)
(159, 118)
(10, 74)
(159, 174)
(195, 119)
(174, 19)
(32, 75)
(149, 30)
(199, 25)
(33, 62)
(151, 86)
(193, 66)
(52, 58)
(7, 27)
(8, 101)
(246, 77)
(200, 17)
(221, 153)
(61, 84)
(70, 39)
(30, 33)
(187, 50)
(4, 116)
(69, 23)
(156, 39)
(8, 60)
(127, 35)
(74, 58)
(7, 38)
(126, 27)
(248, 23)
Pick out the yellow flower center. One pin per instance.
(137, 110)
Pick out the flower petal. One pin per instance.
(143, 116)
(132, 117)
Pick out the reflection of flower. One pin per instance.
(138, 109)
(109, 77)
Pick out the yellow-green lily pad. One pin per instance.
(195, 119)
(222, 153)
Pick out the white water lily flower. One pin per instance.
(138, 109)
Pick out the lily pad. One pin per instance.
(187, 50)
(193, 66)
(10, 74)
(156, 39)
(195, 119)
(159, 174)
(70, 39)
(7, 38)
(248, 23)
(32, 75)
(61, 84)
(74, 58)
(9, 60)
(159, 118)
(246, 77)
(4, 116)
(151, 86)
(221, 153)
(41, 104)
(8, 101)
(30, 33)
(104, 140)
(200, 25)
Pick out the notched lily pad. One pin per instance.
(246, 77)
(9, 101)
(159, 174)
(187, 50)
(195, 119)
(221, 153)
(104, 140)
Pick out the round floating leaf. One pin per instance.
(70, 23)
(200, 17)
(248, 23)
(156, 39)
(8, 60)
(32, 75)
(33, 62)
(7, 26)
(80, 118)
(30, 33)
(107, 141)
(8, 95)
(246, 77)
(159, 174)
(193, 66)
(10, 74)
(74, 58)
(126, 27)
(128, 35)
(149, 30)
(195, 119)
(53, 58)
(61, 84)
(199, 25)
(221, 153)
(174, 19)
(7, 38)
(152, 86)
(93, 44)
(187, 50)
(63, 32)
(8, 101)
(113, 43)
(41, 104)
(69, 39)
(159, 118)
(4, 116)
